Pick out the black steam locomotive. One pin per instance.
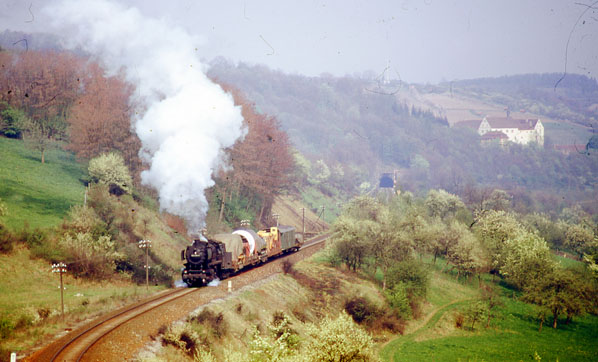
(221, 255)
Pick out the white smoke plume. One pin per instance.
(186, 119)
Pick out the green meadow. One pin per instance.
(512, 335)
(38, 194)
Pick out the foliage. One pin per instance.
(110, 169)
(579, 238)
(281, 341)
(474, 312)
(560, 293)
(100, 121)
(44, 85)
(340, 339)
(89, 256)
(262, 161)
(442, 204)
(398, 299)
(362, 310)
(11, 121)
(527, 259)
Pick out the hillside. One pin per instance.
(351, 130)
(37, 194)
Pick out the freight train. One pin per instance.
(222, 255)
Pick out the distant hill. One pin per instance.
(571, 97)
(361, 128)
(18, 40)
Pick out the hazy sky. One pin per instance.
(424, 40)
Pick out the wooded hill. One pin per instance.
(353, 129)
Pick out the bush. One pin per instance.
(214, 321)
(362, 310)
(339, 339)
(89, 256)
(6, 327)
(6, 240)
(398, 299)
(181, 337)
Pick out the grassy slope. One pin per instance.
(512, 336)
(35, 193)
(27, 286)
(40, 195)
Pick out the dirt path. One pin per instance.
(429, 320)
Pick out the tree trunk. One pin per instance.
(43, 157)
(556, 315)
(541, 324)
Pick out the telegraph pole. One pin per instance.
(60, 268)
(146, 244)
(303, 226)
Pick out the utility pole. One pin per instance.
(146, 244)
(303, 226)
(60, 268)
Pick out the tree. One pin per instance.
(100, 120)
(559, 292)
(110, 169)
(465, 254)
(44, 84)
(350, 240)
(579, 238)
(388, 245)
(493, 229)
(262, 162)
(12, 121)
(442, 204)
(527, 259)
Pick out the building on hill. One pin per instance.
(521, 131)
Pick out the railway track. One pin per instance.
(76, 345)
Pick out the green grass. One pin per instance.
(513, 335)
(315, 199)
(27, 286)
(34, 193)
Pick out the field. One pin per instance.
(38, 194)
(30, 300)
(512, 336)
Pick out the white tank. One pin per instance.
(255, 242)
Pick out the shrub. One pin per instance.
(362, 310)
(214, 321)
(43, 313)
(399, 300)
(6, 327)
(6, 240)
(339, 339)
(110, 169)
(89, 256)
(181, 337)
(459, 320)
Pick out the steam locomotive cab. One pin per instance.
(203, 260)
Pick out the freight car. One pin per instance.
(222, 255)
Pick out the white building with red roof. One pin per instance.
(521, 131)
